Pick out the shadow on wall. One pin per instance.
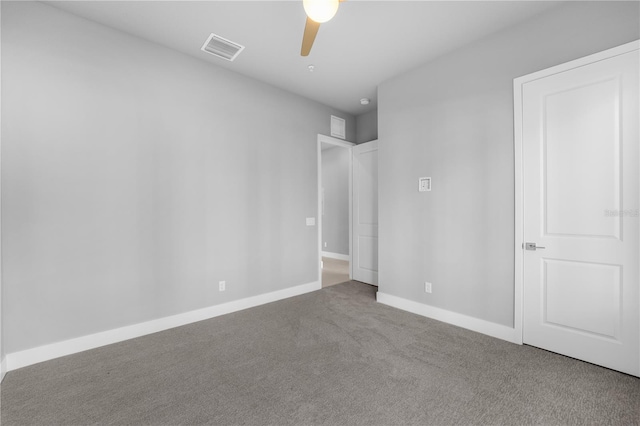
(367, 127)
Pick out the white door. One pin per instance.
(365, 213)
(580, 192)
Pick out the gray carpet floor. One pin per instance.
(333, 357)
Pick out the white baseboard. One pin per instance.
(481, 326)
(55, 350)
(337, 256)
(3, 368)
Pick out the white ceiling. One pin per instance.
(365, 44)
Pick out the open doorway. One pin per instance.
(334, 210)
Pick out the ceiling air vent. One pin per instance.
(221, 47)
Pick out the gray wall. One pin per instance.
(367, 127)
(452, 119)
(335, 181)
(134, 178)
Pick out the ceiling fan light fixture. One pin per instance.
(320, 11)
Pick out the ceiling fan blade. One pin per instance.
(310, 31)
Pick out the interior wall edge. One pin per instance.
(16, 360)
(3, 368)
(2, 357)
(470, 323)
(337, 256)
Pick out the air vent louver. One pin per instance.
(221, 47)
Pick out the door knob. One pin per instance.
(532, 246)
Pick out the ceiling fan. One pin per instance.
(318, 12)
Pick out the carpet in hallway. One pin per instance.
(334, 271)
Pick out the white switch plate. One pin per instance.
(424, 184)
(222, 285)
(427, 287)
(311, 221)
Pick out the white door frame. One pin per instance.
(519, 181)
(343, 144)
(3, 363)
